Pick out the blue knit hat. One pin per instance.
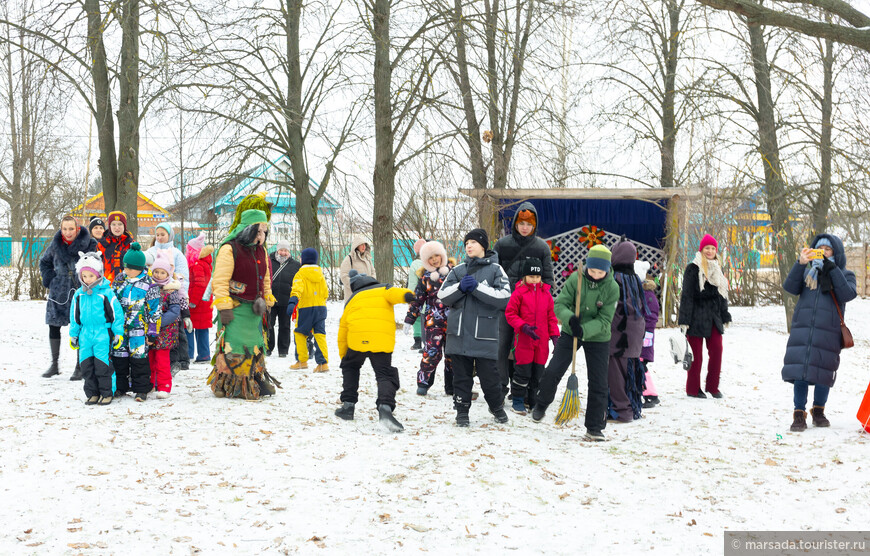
(309, 255)
(599, 258)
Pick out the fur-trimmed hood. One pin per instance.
(431, 249)
(649, 285)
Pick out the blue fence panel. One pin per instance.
(5, 251)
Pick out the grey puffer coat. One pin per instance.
(58, 269)
(473, 319)
(813, 350)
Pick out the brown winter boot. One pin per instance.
(819, 419)
(299, 365)
(321, 368)
(800, 421)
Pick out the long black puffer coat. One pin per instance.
(58, 269)
(813, 350)
(701, 309)
(508, 249)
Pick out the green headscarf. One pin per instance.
(249, 217)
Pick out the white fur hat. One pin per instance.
(641, 268)
(430, 249)
(92, 261)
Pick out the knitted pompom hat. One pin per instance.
(134, 258)
(198, 242)
(599, 258)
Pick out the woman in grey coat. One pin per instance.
(58, 269)
(812, 355)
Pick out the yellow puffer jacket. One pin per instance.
(368, 322)
(309, 287)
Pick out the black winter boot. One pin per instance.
(538, 413)
(418, 343)
(499, 414)
(55, 353)
(819, 419)
(800, 421)
(462, 419)
(77, 373)
(387, 420)
(345, 411)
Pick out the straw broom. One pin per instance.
(570, 406)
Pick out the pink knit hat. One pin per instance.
(162, 260)
(708, 240)
(198, 242)
(418, 244)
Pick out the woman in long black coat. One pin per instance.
(58, 269)
(812, 355)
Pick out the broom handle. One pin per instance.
(576, 314)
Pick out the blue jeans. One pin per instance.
(200, 336)
(801, 390)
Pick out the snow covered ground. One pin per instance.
(283, 475)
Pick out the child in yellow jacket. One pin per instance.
(367, 330)
(309, 295)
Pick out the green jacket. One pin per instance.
(597, 305)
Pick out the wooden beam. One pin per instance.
(644, 194)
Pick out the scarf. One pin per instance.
(814, 268)
(713, 275)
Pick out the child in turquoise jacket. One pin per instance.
(95, 316)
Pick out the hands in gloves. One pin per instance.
(119, 341)
(529, 331)
(188, 325)
(408, 329)
(74, 342)
(468, 284)
(684, 328)
(576, 329)
(227, 316)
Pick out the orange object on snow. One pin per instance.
(864, 411)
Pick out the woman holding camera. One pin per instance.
(812, 355)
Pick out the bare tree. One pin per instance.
(856, 33)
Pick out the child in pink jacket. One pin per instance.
(531, 314)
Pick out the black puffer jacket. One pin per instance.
(702, 309)
(510, 246)
(282, 278)
(813, 350)
(58, 269)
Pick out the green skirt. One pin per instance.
(239, 363)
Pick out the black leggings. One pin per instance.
(53, 332)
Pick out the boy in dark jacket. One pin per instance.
(812, 356)
(598, 296)
(477, 292)
(284, 268)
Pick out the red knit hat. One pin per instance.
(117, 215)
(708, 240)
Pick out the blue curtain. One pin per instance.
(642, 221)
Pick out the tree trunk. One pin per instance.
(823, 201)
(102, 103)
(306, 204)
(472, 138)
(18, 148)
(384, 178)
(774, 184)
(127, 183)
(670, 48)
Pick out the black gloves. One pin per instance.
(409, 297)
(576, 329)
